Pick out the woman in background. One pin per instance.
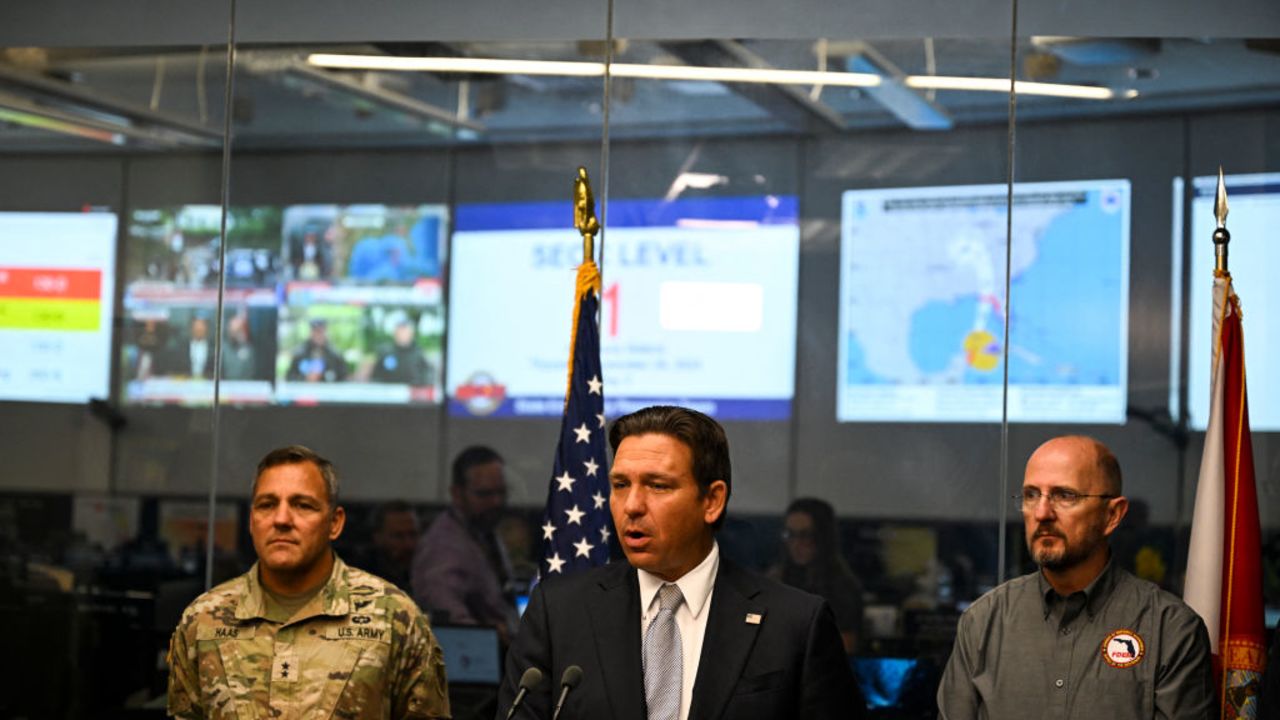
(814, 564)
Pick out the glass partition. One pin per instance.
(898, 400)
(1127, 306)
(393, 306)
(104, 543)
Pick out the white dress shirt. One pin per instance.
(691, 617)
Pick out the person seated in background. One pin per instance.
(813, 563)
(394, 526)
(460, 565)
(522, 543)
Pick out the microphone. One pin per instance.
(530, 680)
(568, 681)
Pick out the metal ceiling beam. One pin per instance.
(785, 102)
(267, 66)
(22, 111)
(914, 109)
(87, 107)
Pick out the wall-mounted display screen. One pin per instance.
(921, 315)
(57, 280)
(699, 306)
(323, 304)
(1254, 202)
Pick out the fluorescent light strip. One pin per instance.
(593, 69)
(457, 64)
(746, 75)
(1022, 87)
(699, 73)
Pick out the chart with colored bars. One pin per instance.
(922, 311)
(56, 273)
(50, 299)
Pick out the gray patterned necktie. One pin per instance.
(663, 658)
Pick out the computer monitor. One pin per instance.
(904, 685)
(471, 654)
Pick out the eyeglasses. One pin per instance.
(1059, 498)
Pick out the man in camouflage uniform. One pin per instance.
(303, 635)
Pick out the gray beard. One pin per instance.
(1058, 560)
(1054, 559)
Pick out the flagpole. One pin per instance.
(1221, 237)
(576, 526)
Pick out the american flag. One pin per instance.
(577, 527)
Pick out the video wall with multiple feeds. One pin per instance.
(329, 304)
(322, 304)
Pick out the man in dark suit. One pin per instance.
(679, 632)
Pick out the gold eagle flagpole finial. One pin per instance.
(584, 214)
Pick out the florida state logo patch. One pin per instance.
(1123, 648)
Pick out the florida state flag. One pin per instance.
(1224, 567)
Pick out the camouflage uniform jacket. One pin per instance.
(359, 650)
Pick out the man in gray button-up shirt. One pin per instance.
(1080, 638)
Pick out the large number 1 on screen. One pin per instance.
(611, 295)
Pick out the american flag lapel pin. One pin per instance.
(754, 618)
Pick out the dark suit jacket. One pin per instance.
(789, 665)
